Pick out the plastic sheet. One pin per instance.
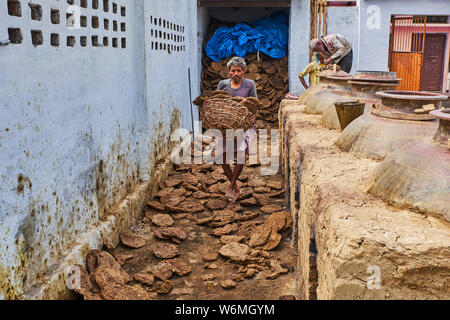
(268, 35)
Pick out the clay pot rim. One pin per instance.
(373, 83)
(443, 114)
(376, 75)
(346, 78)
(411, 95)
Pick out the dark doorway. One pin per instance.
(433, 62)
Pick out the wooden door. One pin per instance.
(433, 62)
(408, 34)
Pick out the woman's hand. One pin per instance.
(329, 61)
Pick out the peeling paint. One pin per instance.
(72, 149)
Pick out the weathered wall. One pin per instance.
(374, 36)
(299, 28)
(82, 125)
(344, 20)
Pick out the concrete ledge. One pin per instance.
(358, 237)
(120, 217)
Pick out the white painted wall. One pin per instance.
(80, 126)
(299, 31)
(344, 20)
(374, 41)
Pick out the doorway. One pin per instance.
(433, 62)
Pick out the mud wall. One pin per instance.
(86, 113)
(365, 248)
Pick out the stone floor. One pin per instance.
(192, 243)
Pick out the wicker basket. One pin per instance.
(223, 114)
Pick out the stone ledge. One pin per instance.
(355, 231)
(120, 217)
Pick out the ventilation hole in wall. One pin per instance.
(83, 21)
(156, 45)
(94, 40)
(123, 26)
(71, 41)
(124, 43)
(15, 36)
(164, 36)
(54, 16)
(95, 23)
(70, 20)
(123, 11)
(115, 43)
(160, 22)
(14, 8)
(160, 34)
(171, 26)
(151, 19)
(37, 38)
(115, 25)
(70, 1)
(94, 4)
(151, 31)
(106, 24)
(160, 46)
(83, 41)
(36, 11)
(83, 3)
(106, 5)
(153, 45)
(54, 40)
(164, 23)
(105, 41)
(114, 7)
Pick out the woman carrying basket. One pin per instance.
(237, 85)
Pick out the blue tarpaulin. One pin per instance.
(268, 35)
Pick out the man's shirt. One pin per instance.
(338, 46)
(247, 88)
(312, 69)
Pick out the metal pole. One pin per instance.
(190, 102)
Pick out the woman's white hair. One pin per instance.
(237, 61)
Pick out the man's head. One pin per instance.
(316, 45)
(236, 68)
